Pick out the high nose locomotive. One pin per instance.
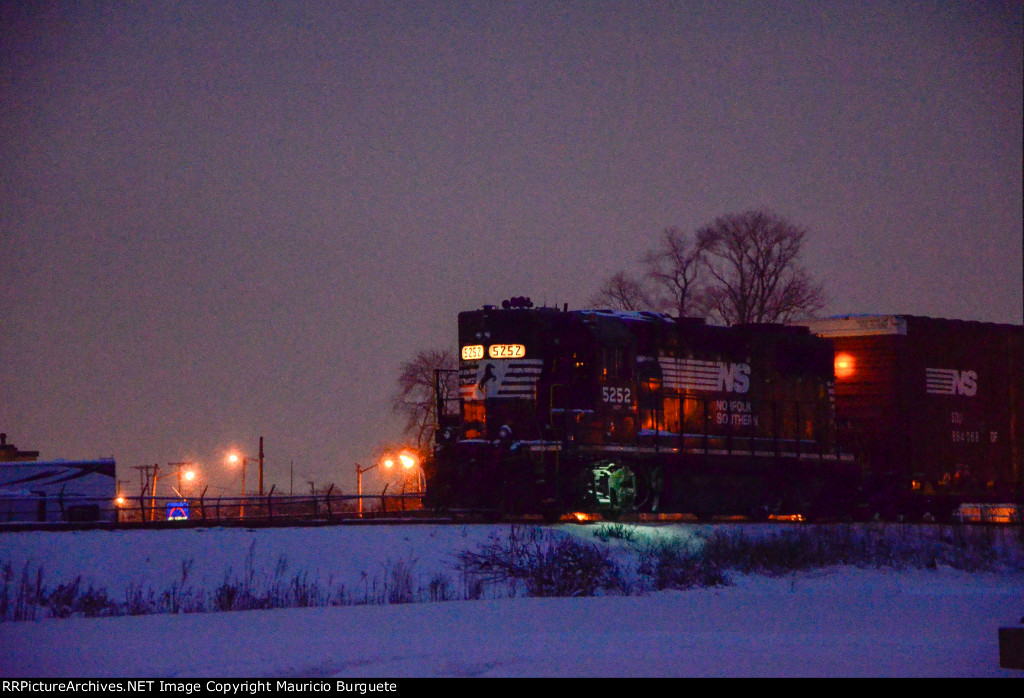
(613, 411)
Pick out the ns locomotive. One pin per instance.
(611, 411)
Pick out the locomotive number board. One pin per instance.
(506, 351)
(471, 352)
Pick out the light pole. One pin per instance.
(387, 463)
(410, 461)
(189, 474)
(359, 485)
(234, 458)
(406, 458)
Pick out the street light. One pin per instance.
(189, 475)
(388, 464)
(235, 457)
(359, 483)
(410, 461)
(407, 459)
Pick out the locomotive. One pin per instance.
(614, 411)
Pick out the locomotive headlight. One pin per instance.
(844, 365)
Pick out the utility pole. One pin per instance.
(145, 482)
(179, 466)
(261, 466)
(152, 494)
(143, 476)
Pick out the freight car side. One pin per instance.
(933, 408)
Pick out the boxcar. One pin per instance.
(932, 408)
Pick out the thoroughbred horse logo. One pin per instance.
(488, 376)
(501, 378)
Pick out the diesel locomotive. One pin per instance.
(612, 411)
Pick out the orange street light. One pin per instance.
(188, 474)
(234, 458)
(359, 483)
(409, 461)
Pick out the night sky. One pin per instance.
(220, 221)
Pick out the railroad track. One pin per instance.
(409, 517)
(413, 517)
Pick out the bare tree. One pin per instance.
(675, 268)
(671, 280)
(753, 261)
(622, 292)
(416, 399)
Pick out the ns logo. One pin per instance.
(733, 378)
(711, 376)
(949, 381)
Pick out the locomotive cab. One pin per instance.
(533, 384)
(501, 363)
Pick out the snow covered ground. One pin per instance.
(837, 621)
